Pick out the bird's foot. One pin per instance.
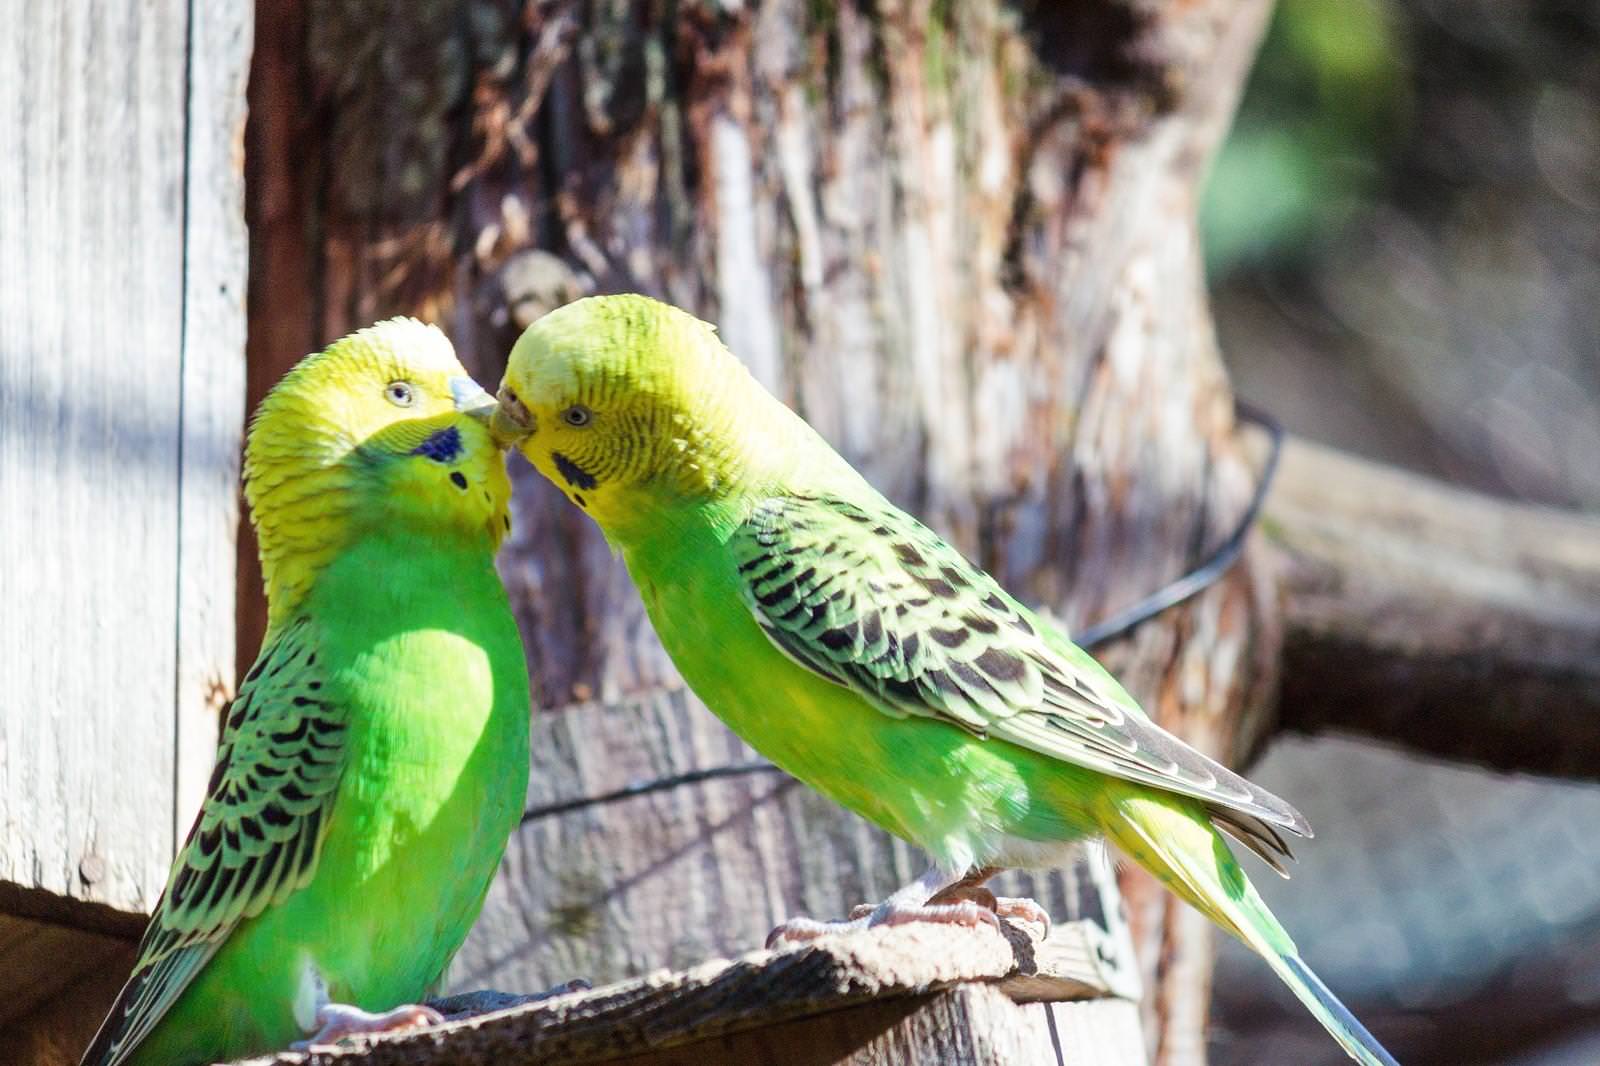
(339, 1020)
(1011, 908)
(964, 913)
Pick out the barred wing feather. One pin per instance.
(255, 841)
(871, 599)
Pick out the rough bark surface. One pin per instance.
(958, 238)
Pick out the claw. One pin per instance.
(341, 1020)
(1021, 909)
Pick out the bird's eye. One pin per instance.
(577, 416)
(400, 393)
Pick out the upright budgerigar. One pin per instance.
(376, 758)
(863, 654)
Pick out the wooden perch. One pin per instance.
(908, 995)
(1456, 624)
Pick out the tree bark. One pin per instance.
(960, 239)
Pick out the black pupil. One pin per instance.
(577, 416)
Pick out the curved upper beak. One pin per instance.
(512, 421)
(471, 399)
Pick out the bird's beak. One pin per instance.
(472, 400)
(512, 421)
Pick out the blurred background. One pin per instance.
(1403, 246)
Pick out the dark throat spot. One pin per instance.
(575, 475)
(459, 480)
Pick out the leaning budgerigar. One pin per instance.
(376, 758)
(860, 652)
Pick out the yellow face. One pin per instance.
(616, 399)
(594, 450)
(385, 427)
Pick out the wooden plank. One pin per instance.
(969, 1025)
(39, 961)
(59, 982)
(216, 263)
(671, 878)
(92, 106)
(695, 1009)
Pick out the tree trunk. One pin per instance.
(958, 238)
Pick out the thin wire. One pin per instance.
(644, 788)
(1169, 595)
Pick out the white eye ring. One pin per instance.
(399, 393)
(577, 416)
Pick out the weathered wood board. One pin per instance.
(58, 983)
(914, 995)
(698, 871)
(122, 255)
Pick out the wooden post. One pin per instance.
(121, 372)
(908, 996)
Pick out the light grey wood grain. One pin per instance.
(216, 264)
(123, 250)
(700, 870)
(644, 1019)
(92, 106)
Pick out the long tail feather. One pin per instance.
(1181, 848)
(1334, 1016)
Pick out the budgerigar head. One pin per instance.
(624, 401)
(384, 427)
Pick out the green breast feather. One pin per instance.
(873, 600)
(256, 839)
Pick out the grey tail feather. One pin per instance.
(1255, 834)
(1338, 1011)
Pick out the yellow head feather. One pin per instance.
(631, 402)
(368, 433)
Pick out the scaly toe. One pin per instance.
(965, 913)
(341, 1020)
(802, 930)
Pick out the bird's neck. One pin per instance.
(309, 536)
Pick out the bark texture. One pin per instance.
(959, 238)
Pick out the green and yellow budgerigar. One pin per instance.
(860, 652)
(376, 759)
